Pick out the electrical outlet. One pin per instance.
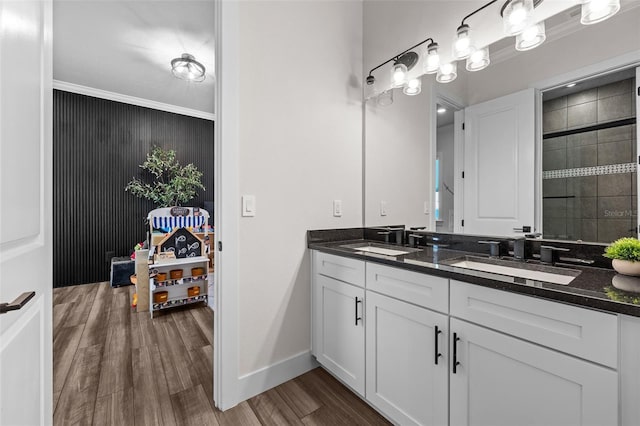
(337, 208)
(383, 208)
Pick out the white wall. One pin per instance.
(590, 44)
(300, 147)
(392, 176)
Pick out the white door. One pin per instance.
(407, 374)
(499, 147)
(25, 212)
(340, 339)
(504, 381)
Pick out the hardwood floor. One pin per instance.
(112, 366)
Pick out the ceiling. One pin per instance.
(126, 47)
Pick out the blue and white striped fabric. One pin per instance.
(178, 221)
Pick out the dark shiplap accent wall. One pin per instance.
(97, 147)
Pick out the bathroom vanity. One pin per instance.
(428, 341)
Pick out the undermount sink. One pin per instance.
(551, 274)
(383, 249)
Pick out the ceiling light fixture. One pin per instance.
(531, 37)
(594, 11)
(570, 85)
(187, 68)
(441, 110)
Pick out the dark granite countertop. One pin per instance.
(592, 288)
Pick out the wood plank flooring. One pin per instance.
(112, 366)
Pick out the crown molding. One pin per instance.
(132, 100)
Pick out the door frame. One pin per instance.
(618, 63)
(447, 99)
(226, 206)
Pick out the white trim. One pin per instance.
(132, 100)
(226, 206)
(269, 377)
(610, 65)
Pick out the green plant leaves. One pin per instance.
(172, 184)
(625, 249)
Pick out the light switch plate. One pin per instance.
(337, 208)
(248, 205)
(426, 207)
(383, 208)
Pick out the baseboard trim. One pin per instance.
(269, 377)
(131, 100)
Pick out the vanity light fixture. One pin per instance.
(447, 73)
(432, 59)
(413, 87)
(398, 73)
(187, 68)
(478, 60)
(531, 37)
(385, 98)
(517, 15)
(594, 11)
(462, 45)
(518, 20)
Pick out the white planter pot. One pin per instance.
(626, 267)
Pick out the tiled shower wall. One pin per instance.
(586, 197)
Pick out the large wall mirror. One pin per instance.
(574, 178)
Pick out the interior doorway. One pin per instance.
(109, 359)
(447, 163)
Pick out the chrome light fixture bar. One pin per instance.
(187, 68)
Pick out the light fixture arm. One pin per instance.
(395, 58)
(477, 10)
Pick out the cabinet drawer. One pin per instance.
(424, 290)
(578, 331)
(340, 268)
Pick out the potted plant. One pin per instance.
(172, 183)
(625, 253)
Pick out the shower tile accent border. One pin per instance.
(609, 169)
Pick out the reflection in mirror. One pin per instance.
(589, 189)
(444, 169)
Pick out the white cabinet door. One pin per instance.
(501, 380)
(499, 148)
(406, 379)
(25, 212)
(339, 330)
